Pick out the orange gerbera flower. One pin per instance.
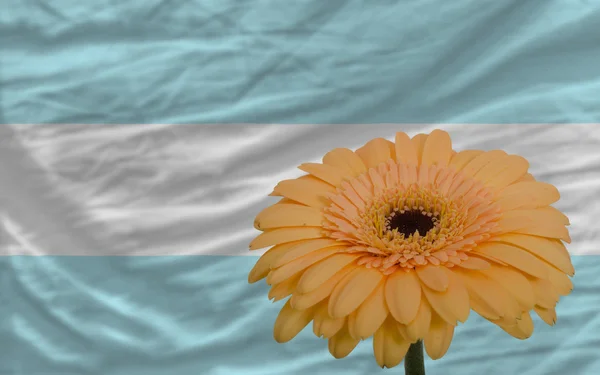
(400, 241)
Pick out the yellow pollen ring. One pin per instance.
(368, 226)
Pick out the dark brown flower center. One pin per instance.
(409, 222)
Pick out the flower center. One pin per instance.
(399, 215)
(409, 222)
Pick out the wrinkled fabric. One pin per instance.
(127, 249)
(195, 189)
(124, 247)
(311, 61)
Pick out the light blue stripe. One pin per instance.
(197, 315)
(310, 61)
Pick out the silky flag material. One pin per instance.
(124, 242)
(126, 249)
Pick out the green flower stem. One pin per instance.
(414, 363)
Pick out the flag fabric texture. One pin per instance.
(139, 139)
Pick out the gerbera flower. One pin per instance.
(401, 240)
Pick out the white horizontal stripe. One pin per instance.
(195, 189)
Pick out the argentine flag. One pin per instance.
(139, 139)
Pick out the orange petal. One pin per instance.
(516, 257)
(437, 149)
(405, 150)
(481, 161)
(523, 328)
(304, 248)
(453, 304)
(531, 194)
(474, 263)
(263, 266)
(551, 251)
(277, 275)
(462, 158)
(434, 277)
(283, 289)
(342, 344)
(290, 322)
(371, 314)
(389, 346)
(353, 290)
(438, 339)
(332, 175)
(419, 326)
(345, 159)
(490, 294)
(303, 301)
(278, 236)
(307, 190)
(517, 166)
(547, 315)
(375, 152)
(419, 143)
(403, 295)
(288, 215)
(324, 325)
(515, 283)
(319, 273)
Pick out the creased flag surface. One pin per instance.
(138, 140)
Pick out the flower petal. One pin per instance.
(353, 290)
(307, 190)
(462, 158)
(278, 236)
(523, 329)
(389, 346)
(545, 294)
(559, 281)
(532, 194)
(375, 152)
(437, 149)
(517, 166)
(283, 289)
(288, 215)
(514, 256)
(290, 322)
(279, 274)
(345, 159)
(491, 169)
(405, 150)
(477, 163)
(403, 295)
(474, 263)
(551, 251)
(332, 175)
(319, 273)
(324, 325)
(434, 277)
(438, 339)
(371, 314)
(303, 301)
(419, 143)
(342, 344)
(535, 222)
(304, 248)
(547, 315)
(555, 213)
(453, 304)
(515, 283)
(419, 326)
(491, 294)
(526, 178)
(263, 266)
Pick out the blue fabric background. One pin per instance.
(306, 61)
